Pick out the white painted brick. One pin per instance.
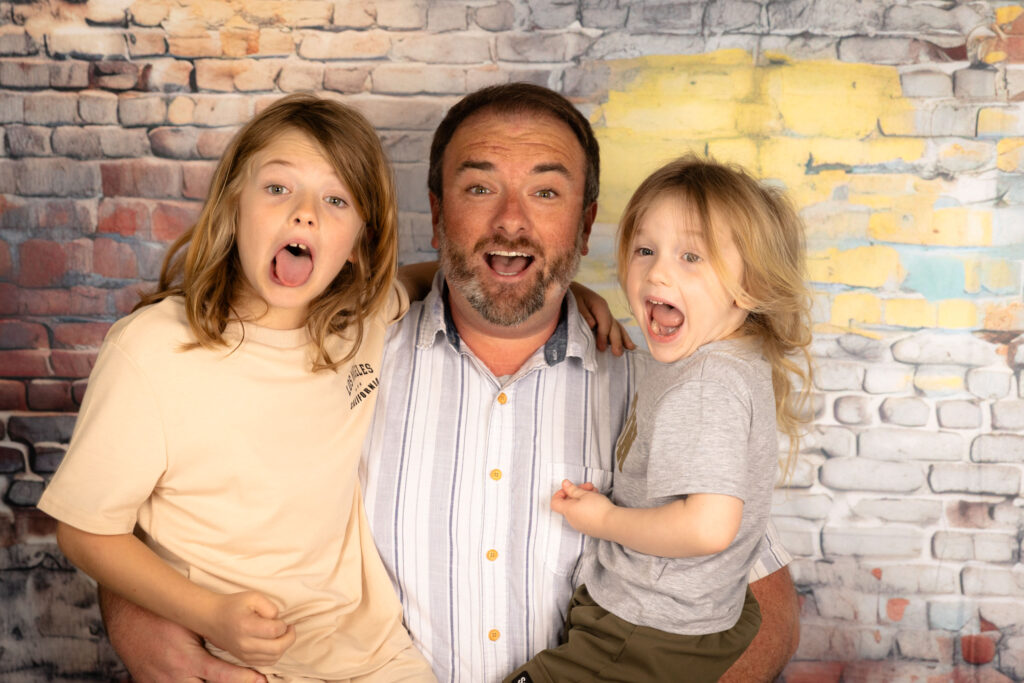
(419, 226)
(361, 45)
(909, 510)
(1008, 415)
(1000, 480)
(890, 541)
(406, 146)
(297, 76)
(958, 414)
(975, 82)
(994, 547)
(939, 380)
(621, 45)
(926, 84)
(402, 79)
(354, 14)
(664, 16)
(141, 110)
(853, 410)
(875, 643)
(903, 612)
(877, 50)
(891, 443)
(952, 614)
(887, 379)
(803, 475)
(540, 47)
(442, 18)
(346, 79)
(411, 185)
(403, 113)
(1003, 613)
(462, 48)
(939, 349)
(907, 412)
(788, 503)
(987, 383)
(401, 15)
(953, 545)
(864, 474)
(839, 602)
(1009, 514)
(924, 644)
(799, 536)
(1003, 582)
(1011, 657)
(501, 16)
(839, 376)
(998, 448)
(947, 120)
(835, 442)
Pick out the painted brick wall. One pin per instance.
(897, 127)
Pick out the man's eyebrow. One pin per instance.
(549, 167)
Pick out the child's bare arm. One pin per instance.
(244, 624)
(702, 524)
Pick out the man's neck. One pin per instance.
(503, 349)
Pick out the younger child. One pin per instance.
(711, 263)
(226, 414)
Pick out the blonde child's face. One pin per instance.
(297, 225)
(672, 288)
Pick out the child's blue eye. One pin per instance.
(690, 257)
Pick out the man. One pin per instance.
(492, 392)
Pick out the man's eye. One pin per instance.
(478, 189)
(546, 194)
(274, 188)
(336, 201)
(690, 257)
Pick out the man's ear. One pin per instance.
(589, 215)
(435, 219)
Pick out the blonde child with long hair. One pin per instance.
(711, 262)
(225, 416)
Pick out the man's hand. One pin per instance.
(598, 316)
(246, 625)
(156, 650)
(585, 509)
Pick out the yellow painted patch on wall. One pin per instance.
(859, 267)
(957, 314)
(851, 308)
(914, 313)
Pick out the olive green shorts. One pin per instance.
(600, 646)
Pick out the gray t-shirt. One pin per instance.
(705, 424)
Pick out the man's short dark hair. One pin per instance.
(515, 98)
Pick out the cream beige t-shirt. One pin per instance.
(239, 467)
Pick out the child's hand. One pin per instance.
(598, 316)
(583, 507)
(246, 625)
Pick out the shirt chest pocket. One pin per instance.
(562, 545)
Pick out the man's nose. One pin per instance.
(512, 216)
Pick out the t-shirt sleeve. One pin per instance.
(117, 452)
(699, 441)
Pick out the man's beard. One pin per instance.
(506, 305)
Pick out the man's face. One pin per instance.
(511, 228)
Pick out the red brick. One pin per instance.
(238, 41)
(974, 674)
(42, 263)
(72, 363)
(9, 295)
(12, 395)
(78, 388)
(212, 143)
(41, 215)
(141, 178)
(50, 394)
(171, 219)
(88, 300)
(126, 297)
(113, 259)
(197, 176)
(11, 460)
(895, 607)
(79, 335)
(21, 334)
(30, 523)
(25, 363)
(979, 649)
(123, 217)
(194, 46)
(814, 672)
(6, 267)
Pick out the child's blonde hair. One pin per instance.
(203, 264)
(770, 239)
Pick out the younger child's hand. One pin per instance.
(246, 625)
(583, 507)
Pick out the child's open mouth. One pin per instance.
(292, 265)
(508, 263)
(664, 319)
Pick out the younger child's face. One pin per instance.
(297, 225)
(672, 288)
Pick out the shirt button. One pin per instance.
(494, 634)
(492, 555)
(502, 398)
(495, 475)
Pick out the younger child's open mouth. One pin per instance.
(664, 319)
(293, 264)
(508, 263)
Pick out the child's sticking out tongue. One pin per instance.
(293, 265)
(666, 318)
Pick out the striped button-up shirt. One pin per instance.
(458, 473)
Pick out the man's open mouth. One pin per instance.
(293, 264)
(663, 319)
(508, 263)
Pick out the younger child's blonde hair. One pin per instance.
(203, 266)
(770, 239)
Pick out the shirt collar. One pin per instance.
(571, 338)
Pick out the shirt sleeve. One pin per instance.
(117, 452)
(699, 441)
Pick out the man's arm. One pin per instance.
(156, 650)
(779, 635)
